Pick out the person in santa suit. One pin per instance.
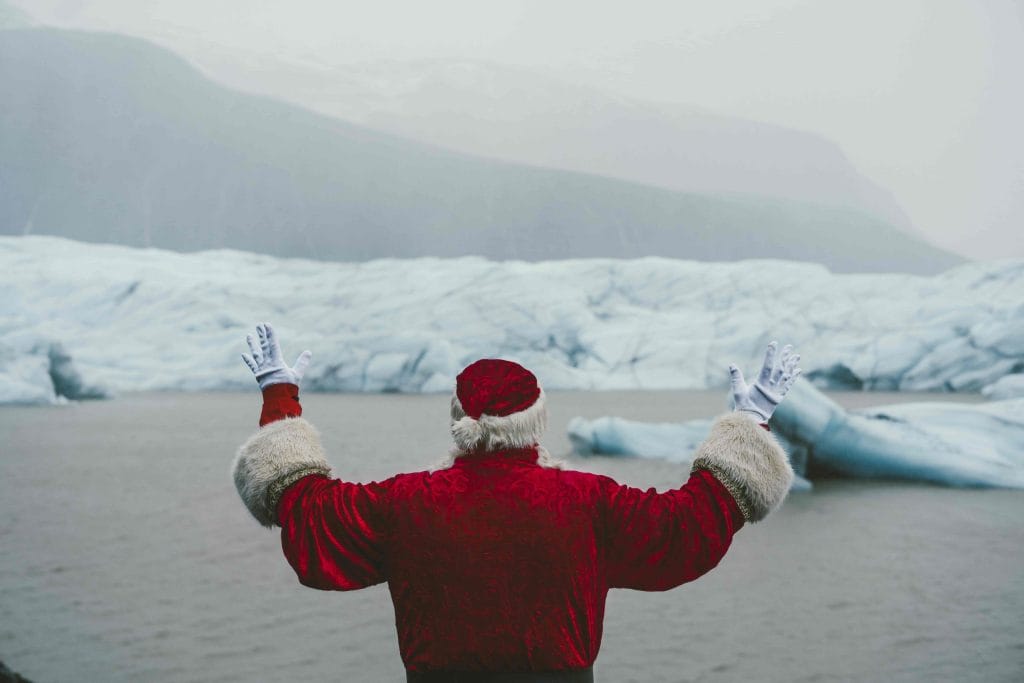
(499, 561)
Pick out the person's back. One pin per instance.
(493, 562)
(500, 561)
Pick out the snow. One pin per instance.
(955, 444)
(80, 320)
(1011, 386)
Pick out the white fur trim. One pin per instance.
(544, 459)
(272, 459)
(467, 430)
(492, 433)
(749, 461)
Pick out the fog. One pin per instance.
(922, 97)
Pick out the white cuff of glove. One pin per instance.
(757, 417)
(277, 376)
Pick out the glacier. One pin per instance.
(949, 443)
(1010, 386)
(84, 320)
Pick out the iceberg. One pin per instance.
(84, 320)
(954, 444)
(617, 436)
(675, 442)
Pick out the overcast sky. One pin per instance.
(924, 96)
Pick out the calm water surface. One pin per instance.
(125, 555)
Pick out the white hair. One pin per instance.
(499, 432)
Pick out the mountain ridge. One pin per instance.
(526, 116)
(107, 138)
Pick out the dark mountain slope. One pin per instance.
(111, 139)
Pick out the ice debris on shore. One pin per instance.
(82, 320)
(954, 444)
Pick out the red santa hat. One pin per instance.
(497, 404)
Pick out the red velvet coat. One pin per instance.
(498, 563)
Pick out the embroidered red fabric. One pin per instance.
(498, 563)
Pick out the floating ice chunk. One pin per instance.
(672, 441)
(616, 436)
(955, 444)
(800, 484)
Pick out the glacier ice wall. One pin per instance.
(1009, 386)
(955, 444)
(124, 319)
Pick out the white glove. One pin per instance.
(266, 361)
(777, 376)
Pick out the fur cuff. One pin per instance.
(749, 462)
(274, 458)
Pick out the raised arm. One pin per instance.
(332, 532)
(656, 541)
(750, 462)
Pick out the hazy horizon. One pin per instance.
(921, 97)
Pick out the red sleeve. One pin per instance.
(280, 401)
(334, 533)
(657, 541)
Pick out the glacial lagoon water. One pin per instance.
(125, 555)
